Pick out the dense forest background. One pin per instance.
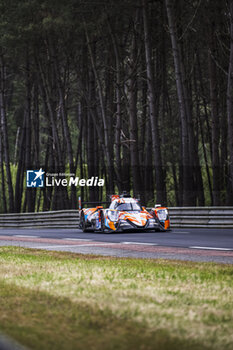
(139, 93)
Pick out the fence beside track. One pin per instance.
(47, 219)
(215, 217)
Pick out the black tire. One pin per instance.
(102, 222)
(83, 223)
(160, 226)
(104, 229)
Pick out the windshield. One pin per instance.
(129, 207)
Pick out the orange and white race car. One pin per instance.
(124, 213)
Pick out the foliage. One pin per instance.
(75, 93)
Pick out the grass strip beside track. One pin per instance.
(58, 300)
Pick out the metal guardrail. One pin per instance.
(215, 217)
(48, 219)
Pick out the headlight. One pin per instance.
(162, 214)
(113, 215)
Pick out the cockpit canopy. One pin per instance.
(125, 205)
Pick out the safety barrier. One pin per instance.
(48, 219)
(215, 217)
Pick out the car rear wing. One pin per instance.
(111, 197)
(81, 204)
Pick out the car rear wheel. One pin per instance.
(102, 221)
(82, 222)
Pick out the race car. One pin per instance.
(124, 213)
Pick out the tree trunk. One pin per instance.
(154, 111)
(188, 193)
(148, 166)
(90, 138)
(230, 102)
(215, 124)
(67, 137)
(118, 108)
(28, 136)
(202, 128)
(104, 117)
(20, 170)
(133, 123)
(47, 99)
(2, 175)
(5, 135)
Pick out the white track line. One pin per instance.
(26, 236)
(180, 232)
(211, 248)
(77, 239)
(73, 246)
(138, 243)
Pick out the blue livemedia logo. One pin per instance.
(35, 178)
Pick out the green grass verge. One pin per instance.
(56, 300)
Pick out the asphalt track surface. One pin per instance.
(208, 245)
